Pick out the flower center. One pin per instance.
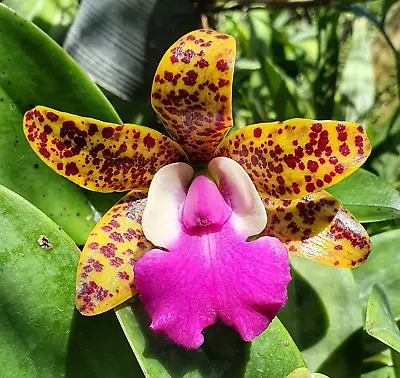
(204, 207)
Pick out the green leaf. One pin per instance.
(380, 322)
(382, 267)
(369, 198)
(42, 335)
(224, 354)
(52, 16)
(385, 372)
(34, 70)
(324, 318)
(357, 83)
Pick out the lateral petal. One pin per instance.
(319, 228)
(294, 158)
(97, 155)
(105, 272)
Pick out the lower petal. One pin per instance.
(319, 228)
(104, 277)
(210, 276)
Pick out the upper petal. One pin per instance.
(97, 155)
(192, 91)
(319, 228)
(297, 157)
(104, 277)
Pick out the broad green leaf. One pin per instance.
(42, 335)
(369, 198)
(52, 16)
(34, 70)
(357, 82)
(379, 321)
(224, 354)
(382, 267)
(324, 318)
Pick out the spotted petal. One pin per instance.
(210, 271)
(297, 157)
(96, 155)
(105, 271)
(192, 91)
(319, 228)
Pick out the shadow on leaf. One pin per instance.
(304, 315)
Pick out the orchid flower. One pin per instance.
(181, 237)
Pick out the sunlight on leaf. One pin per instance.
(367, 197)
(42, 335)
(224, 354)
(380, 322)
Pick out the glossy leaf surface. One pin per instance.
(224, 354)
(324, 318)
(380, 322)
(105, 271)
(52, 16)
(297, 157)
(42, 335)
(192, 91)
(26, 53)
(382, 268)
(368, 197)
(319, 228)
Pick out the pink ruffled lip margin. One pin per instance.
(211, 272)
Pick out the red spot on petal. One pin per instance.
(52, 116)
(257, 132)
(108, 132)
(222, 65)
(71, 169)
(310, 187)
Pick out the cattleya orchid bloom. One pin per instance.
(180, 237)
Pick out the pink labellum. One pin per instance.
(211, 272)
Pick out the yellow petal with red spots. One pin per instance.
(319, 228)
(297, 157)
(97, 155)
(192, 91)
(105, 272)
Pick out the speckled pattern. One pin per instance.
(319, 228)
(297, 157)
(96, 155)
(192, 91)
(289, 162)
(105, 271)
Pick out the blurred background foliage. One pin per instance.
(318, 59)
